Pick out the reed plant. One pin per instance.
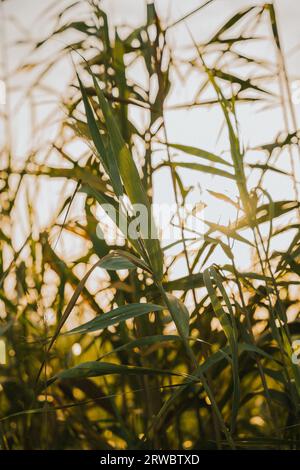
(140, 359)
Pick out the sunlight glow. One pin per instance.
(76, 349)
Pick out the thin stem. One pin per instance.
(202, 378)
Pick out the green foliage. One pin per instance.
(163, 363)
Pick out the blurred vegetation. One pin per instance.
(203, 361)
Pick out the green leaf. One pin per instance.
(116, 316)
(77, 174)
(72, 303)
(244, 84)
(180, 315)
(131, 180)
(223, 245)
(225, 198)
(106, 156)
(229, 232)
(142, 342)
(132, 259)
(198, 373)
(267, 211)
(97, 369)
(230, 23)
(198, 167)
(185, 283)
(117, 262)
(253, 348)
(279, 143)
(229, 115)
(199, 153)
(227, 321)
(121, 218)
(266, 167)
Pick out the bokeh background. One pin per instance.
(48, 226)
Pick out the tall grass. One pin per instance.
(204, 361)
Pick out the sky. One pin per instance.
(198, 127)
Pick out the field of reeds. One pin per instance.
(119, 339)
